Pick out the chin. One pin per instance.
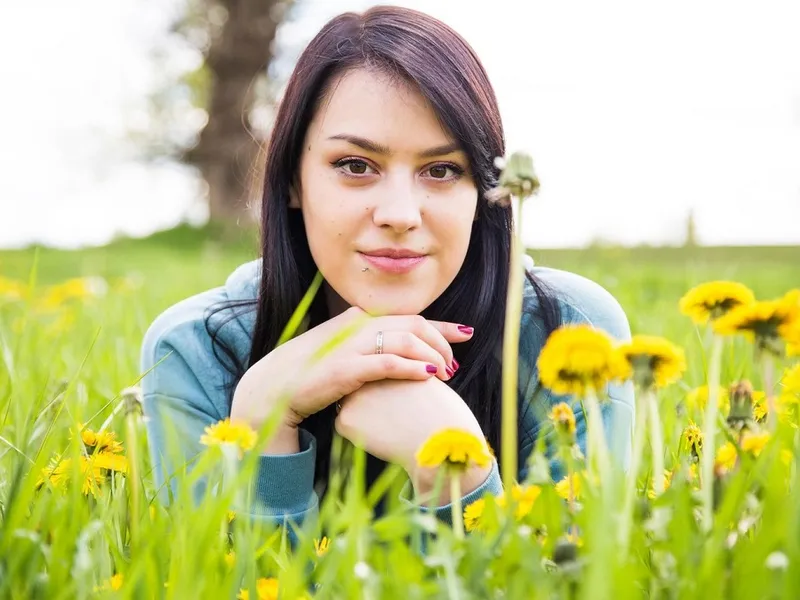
(392, 304)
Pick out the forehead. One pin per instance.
(374, 105)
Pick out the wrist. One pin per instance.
(284, 440)
(424, 481)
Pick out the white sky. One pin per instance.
(634, 112)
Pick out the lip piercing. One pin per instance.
(365, 269)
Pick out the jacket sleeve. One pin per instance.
(183, 395)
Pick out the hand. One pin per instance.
(413, 349)
(392, 419)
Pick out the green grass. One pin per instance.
(66, 366)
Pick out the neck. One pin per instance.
(336, 304)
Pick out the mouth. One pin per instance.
(394, 261)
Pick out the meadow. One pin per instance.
(65, 359)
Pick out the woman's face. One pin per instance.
(387, 197)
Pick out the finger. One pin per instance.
(408, 345)
(424, 330)
(375, 367)
(453, 332)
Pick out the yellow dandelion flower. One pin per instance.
(108, 461)
(790, 380)
(725, 459)
(754, 443)
(99, 441)
(473, 515)
(693, 438)
(653, 361)
(114, 583)
(766, 322)
(456, 448)
(563, 418)
(93, 471)
(697, 398)
(266, 589)
(563, 487)
(760, 410)
(73, 289)
(230, 559)
(524, 497)
(793, 348)
(711, 300)
(577, 359)
(231, 515)
(12, 290)
(226, 432)
(322, 546)
(59, 473)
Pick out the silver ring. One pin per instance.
(379, 343)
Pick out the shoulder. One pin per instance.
(581, 300)
(181, 335)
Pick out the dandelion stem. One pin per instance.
(630, 486)
(656, 441)
(510, 355)
(455, 505)
(566, 451)
(598, 450)
(710, 433)
(133, 475)
(768, 366)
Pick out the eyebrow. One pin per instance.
(377, 148)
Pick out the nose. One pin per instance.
(398, 206)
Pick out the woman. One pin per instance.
(377, 170)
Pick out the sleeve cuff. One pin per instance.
(492, 485)
(284, 484)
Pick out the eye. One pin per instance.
(357, 167)
(439, 171)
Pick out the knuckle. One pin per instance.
(418, 324)
(389, 363)
(407, 342)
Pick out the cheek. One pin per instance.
(329, 221)
(453, 226)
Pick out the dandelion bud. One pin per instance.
(741, 399)
(132, 400)
(564, 420)
(517, 179)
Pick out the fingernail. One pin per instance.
(449, 371)
(455, 365)
(465, 329)
(431, 368)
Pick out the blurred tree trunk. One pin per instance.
(226, 150)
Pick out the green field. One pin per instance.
(68, 364)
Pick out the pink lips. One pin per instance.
(394, 261)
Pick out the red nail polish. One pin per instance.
(465, 329)
(449, 371)
(431, 368)
(455, 365)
